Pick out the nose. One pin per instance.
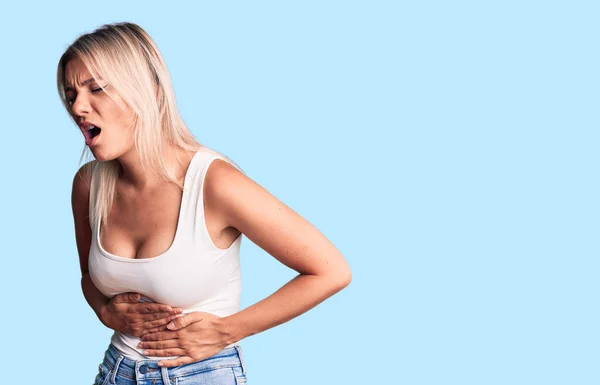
(81, 105)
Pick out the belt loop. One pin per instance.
(165, 375)
(113, 378)
(241, 355)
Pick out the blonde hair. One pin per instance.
(126, 57)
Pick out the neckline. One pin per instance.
(179, 219)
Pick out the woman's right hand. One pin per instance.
(125, 314)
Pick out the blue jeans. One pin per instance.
(224, 368)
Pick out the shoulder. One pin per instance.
(81, 182)
(227, 188)
(222, 176)
(242, 202)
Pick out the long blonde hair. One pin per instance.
(126, 57)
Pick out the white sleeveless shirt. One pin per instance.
(193, 273)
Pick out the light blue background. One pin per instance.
(448, 149)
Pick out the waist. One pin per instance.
(127, 345)
(126, 367)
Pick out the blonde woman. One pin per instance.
(159, 220)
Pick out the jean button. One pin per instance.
(143, 369)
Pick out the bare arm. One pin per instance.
(289, 238)
(83, 236)
(94, 297)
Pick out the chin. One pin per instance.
(100, 155)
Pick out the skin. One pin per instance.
(90, 103)
(234, 203)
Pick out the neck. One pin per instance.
(133, 175)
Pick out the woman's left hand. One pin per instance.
(194, 336)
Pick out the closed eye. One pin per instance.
(95, 90)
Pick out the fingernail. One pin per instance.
(171, 325)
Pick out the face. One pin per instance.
(90, 104)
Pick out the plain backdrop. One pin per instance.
(448, 149)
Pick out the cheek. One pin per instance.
(114, 107)
(124, 112)
(118, 117)
(127, 123)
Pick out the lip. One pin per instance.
(93, 141)
(83, 125)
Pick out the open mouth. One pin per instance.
(90, 133)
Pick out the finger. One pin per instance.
(155, 316)
(166, 344)
(157, 329)
(184, 320)
(149, 307)
(164, 352)
(150, 325)
(168, 335)
(126, 298)
(176, 362)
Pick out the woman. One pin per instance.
(158, 222)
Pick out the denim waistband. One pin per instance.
(120, 365)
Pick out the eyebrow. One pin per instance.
(90, 80)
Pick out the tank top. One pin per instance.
(192, 273)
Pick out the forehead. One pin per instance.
(77, 74)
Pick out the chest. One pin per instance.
(146, 225)
(141, 225)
